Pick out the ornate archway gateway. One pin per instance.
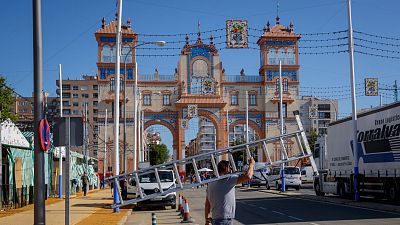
(200, 87)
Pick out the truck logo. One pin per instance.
(379, 144)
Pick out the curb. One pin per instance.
(369, 205)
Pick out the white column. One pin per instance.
(135, 117)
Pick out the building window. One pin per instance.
(95, 87)
(126, 54)
(75, 103)
(284, 109)
(166, 99)
(66, 95)
(66, 87)
(272, 56)
(75, 95)
(146, 99)
(234, 99)
(75, 112)
(95, 95)
(253, 99)
(290, 57)
(95, 103)
(112, 84)
(84, 88)
(75, 88)
(285, 85)
(85, 95)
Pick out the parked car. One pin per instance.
(307, 174)
(292, 177)
(148, 184)
(259, 177)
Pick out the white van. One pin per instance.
(259, 175)
(292, 177)
(149, 186)
(307, 174)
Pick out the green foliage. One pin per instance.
(158, 154)
(6, 101)
(312, 138)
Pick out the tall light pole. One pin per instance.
(158, 43)
(353, 100)
(105, 151)
(281, 122)
(116, 107)
(60, 155)
(39, 200)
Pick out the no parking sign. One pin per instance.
(44, 133)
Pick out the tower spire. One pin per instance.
(198, 30)
(277, 12)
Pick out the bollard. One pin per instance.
(186, 214)
(153, 218)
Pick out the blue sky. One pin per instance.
(69, 26)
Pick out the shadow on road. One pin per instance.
(285, 209)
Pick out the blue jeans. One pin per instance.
(222, 221)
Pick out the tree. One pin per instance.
(6, 100)
(312, 138)
(158, 154)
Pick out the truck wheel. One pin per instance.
(391, 192)
(341, 190)
(317, 189)
(298, 188)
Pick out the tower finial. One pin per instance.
(129, 22)
(277, 12)
(187, 39)
(198, 30)
(103, 22)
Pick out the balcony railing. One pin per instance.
(152, 77)
(238, 78)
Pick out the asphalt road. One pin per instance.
(258, 206)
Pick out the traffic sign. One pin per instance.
(44, 133)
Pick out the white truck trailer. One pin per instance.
(378, 137)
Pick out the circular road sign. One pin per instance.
(44, 133)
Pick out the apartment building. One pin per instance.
(78, 95)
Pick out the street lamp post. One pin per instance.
(158, 43)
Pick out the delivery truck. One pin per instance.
(378, 147)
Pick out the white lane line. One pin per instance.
(278, 212)
(295, 218)
(252, 205)
(262, 208)
(314, 223)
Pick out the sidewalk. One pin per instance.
(88, 209)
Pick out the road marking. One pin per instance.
(262, 208)
(314, 223)
(252, 205)
(278, 212)
(295, 218)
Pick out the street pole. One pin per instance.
(87, 139)
(39, 189)
(247, 117)
(135, 117)
(105, 152)
(66, 177)
(116, 107)
(353, 98)
(143, 144)
(281, 121)
(60, 155)
(227, 125)
(139, 133)
(124, 158)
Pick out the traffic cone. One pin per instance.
(153, 218)
(186, 214)
(179, 203)
(183, 206)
